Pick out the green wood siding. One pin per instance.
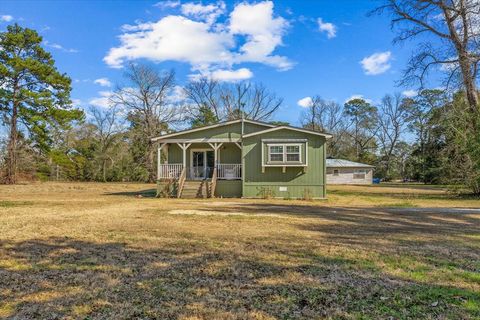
(174, 153)
(230, 153)
(231, 131)
(228, 189)
(300, 182)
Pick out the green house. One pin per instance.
(242, 158)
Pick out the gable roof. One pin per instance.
(342, 163)
(326, 135)
(225, 123)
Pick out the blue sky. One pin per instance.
(296, 48)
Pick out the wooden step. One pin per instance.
(195, 189)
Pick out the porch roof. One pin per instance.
(226, 123)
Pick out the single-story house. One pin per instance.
(242, 158)
(340, 171)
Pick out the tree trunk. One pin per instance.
(104, 170)
(150, 162)
(470, 86)
(11, 177)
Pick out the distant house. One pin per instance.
(242, 158)
(340, 171)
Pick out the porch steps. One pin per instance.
(195, 189)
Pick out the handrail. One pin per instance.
(214, 183)
(181, 182)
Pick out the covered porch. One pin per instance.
(206, 162)
(200, 160)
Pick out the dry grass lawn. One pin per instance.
(100, 251)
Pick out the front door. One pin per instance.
(198, 164)
(202, 164)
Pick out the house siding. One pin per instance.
(231, 131)
(228, 189)
(345, 176)
(299, 182)
(228, 153)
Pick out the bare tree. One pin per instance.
(393, 113)
(145, 99)
(253, 101)
(229, 101)
(455, 45)
(108, 127)
(204, 93)
(326, 116)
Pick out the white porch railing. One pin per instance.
(225, 171)
(229, 171)
(170, 170)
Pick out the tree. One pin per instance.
(108, 131)
(248, 100)
(453, 27)
(280, 123)
(422, 123)
(326, 116)
(204, 116)
(230, 101)
(34, 95)
(392, 117)
(362, 127)
(452, 46)
(145, 99)
(204, 93)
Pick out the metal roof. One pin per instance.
(342, 163)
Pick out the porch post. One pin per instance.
(159, 160)
(215, 146)
(184, 147)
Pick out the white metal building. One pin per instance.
(340, 171)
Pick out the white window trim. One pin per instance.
(284, 157)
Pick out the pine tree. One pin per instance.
(34, 95)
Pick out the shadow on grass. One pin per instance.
(61, 277)
(147, 193)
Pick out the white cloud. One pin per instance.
(104, 82)
(328, 28)
(410, 93)
(167, 4)
(76, 102)
(263, 33)
(176, 95)
(209, 46)
(377, 63)
(358, 96)
(103, 101)
(59, 47)
(305, 102)
(173, 38)
(232, 75)
(208, 13)
(6, 18)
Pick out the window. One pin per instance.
(293, 153)
(335, 172)
(284, 153)
(276, 153)
(359, 173)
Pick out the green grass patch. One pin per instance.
(12, 204)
